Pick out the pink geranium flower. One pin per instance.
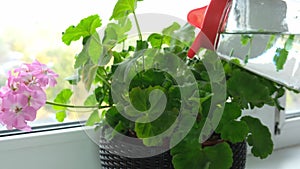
(35, 94)
(43, 75)
(16, 112)
(24, 94)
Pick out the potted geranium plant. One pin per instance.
(151, 92)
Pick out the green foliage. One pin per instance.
(156, 40)
(90, 101)
(85, 28)
(123, 8)
(246, 39)
(280, 58)
(82, 58)
(190, 154)
(101, 56)
(168, 31)
(234, 131)
(248, 90)
(231, 112)
(118, 122)
(289, 42)
(139, 99)
(73, 80)
(62, 97)
(229, 127)
(271, 42)
(93, 119)
(215, 152)
(259, 138)
(116, 32)
(61, 115)
(89, 72)
(281, 54)
(95, 48)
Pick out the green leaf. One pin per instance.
(141, 45)
(280, 58)
(90, 101)
(246, 60)
(110, 38)
(82, 57)
(235, 131)
(156, 40)
(185, 34)
(260, 137)
(156, 127)
(288, 45)
(105, 58)
(245, 39)
(88, 75)
(247, 88)
(148, 78)
(280, 92)
(85, 28)
(231, 112)
(150, 101)
(139, 99)
(99, 94)
(114, 33)
(145, 130)
(282, 53)
(120, 127)
(185, 153)
(171, 29)
(73, 80)
(95, 48)
(93, 119)
(214, 153)
(123, 8)
(117, 32)
(112, 116)
(189, 154)
(63, 97)
(117, 121)
(271, 42)
(60, 116)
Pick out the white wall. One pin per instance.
(63, 149)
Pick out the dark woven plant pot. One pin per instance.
(110, 160)
(239, 151)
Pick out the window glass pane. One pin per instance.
(292, 103)
(32, 30)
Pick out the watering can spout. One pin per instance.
(210, 20)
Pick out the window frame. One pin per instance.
(288, 127)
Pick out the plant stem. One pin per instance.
(74, 106)
(138, 26)
(249, 52)
(140, 35)
(104, 80)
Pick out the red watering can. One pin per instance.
(210, 19)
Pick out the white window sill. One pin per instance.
(73, 149)
(60, 149)
(287, 158)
